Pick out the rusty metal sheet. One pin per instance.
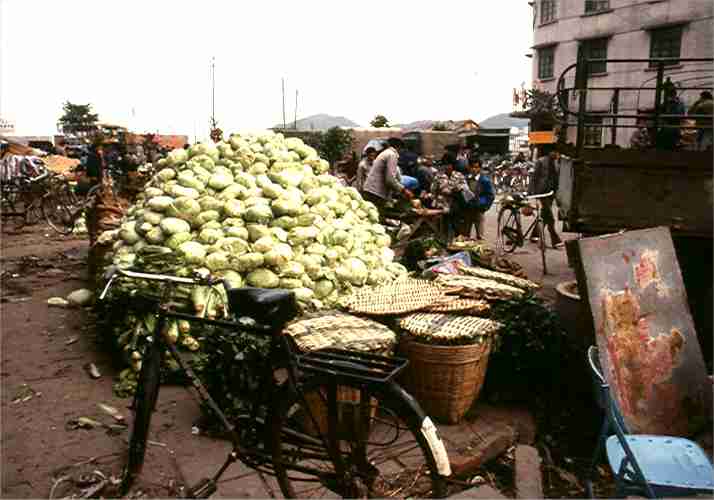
(644, 330)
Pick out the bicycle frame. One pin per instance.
(281, 357)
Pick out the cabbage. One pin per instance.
(286, 206)
(290, 283)
(208, 215)
(177, 157)
(264, 244)
(192, 252)
(232, 277)
(300, 235)
(303, 294)
(257, 231)
(284, 222)
(249, 261)
(220, 180)
(234, 208)
(176, 239)
(155, 236)
(237, 231)
(160, 203)
(210, 203)
(209, 235)
(358, 271)
(263, 278)
(128, 233)
(172, 225)
(217, 261)
(259, 213)
(323, 288)
(234, 245)
(279, 255)
(292, 270)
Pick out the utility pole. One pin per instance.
(213, 92)
(295, 120)
(283, 83)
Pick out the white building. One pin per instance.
(622, 29)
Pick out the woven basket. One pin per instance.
(446, 380)
(463, 306)
(505, 278)
(399, 297)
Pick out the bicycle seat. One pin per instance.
(270, 307)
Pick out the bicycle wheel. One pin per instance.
(147, 391)
(509, 229)
(395, 459)
(58, 215)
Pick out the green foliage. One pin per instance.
(77, 118)
(440, 127)
(531, 343)
(334, 144)
(379, 121)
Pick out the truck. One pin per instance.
(609, 189)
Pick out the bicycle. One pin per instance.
(300, 426)
(21, 198)
(510, 230)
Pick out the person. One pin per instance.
(445, 185)
(384, 179)
(476, 198)
(704, 106)
(545, 179)
(363, 168)
(408, 161)
(668, 137)
(425, 172)
(641, 137)
(93, 169)
(462, 159)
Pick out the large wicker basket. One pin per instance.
(446, 380)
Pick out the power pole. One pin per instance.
(283, 83)
(213, 92)
(296, 100)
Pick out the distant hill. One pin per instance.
(320, 122)
(503, 121)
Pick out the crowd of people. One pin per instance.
(455, 185)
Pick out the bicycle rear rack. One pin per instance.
(351, 365)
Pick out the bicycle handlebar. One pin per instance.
(538, 196)
(113, 271)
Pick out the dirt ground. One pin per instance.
(46, 387)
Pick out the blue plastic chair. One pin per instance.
(652, 466)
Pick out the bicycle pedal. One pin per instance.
(203, 489)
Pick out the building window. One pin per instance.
(595, 49)
(666, 42)
(546, 58)
(547, 11)
(592, 6)
(593, 131)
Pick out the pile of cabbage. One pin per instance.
(259, 210)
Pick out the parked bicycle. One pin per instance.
(510, 228)
(325, 422)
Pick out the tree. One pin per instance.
(335, 143)
(440, 127)
(77, 118)
(379, 121)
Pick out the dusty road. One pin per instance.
(45, 387)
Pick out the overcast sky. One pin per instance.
(146, 64)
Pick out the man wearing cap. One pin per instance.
(384, 178)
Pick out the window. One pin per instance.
(666, 42)
(592, 6)
(547, 11)
(593, 131)
(546, 58)
(595, 49)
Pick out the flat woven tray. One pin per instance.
(437, 328)
(480, 288)
(342, 331)
(505, 278)
(463, 306)
(399, 297)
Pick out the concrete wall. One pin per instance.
(626, 24)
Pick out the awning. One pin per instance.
(542, 137)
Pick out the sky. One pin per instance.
(147, 64)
